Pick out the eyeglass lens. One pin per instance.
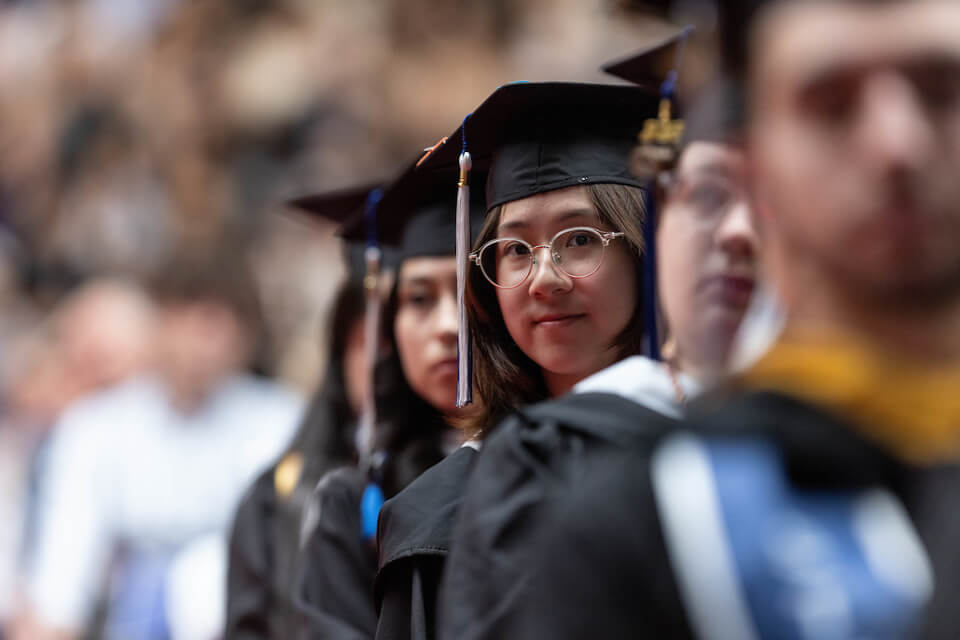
(508, 262)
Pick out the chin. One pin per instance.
(566, 364)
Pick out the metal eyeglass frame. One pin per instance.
(605, 238)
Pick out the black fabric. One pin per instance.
(588, 558)
(414, 535)
(649, 65)
(431, 231)
(539, 137)
(823, 451)
(417, 213)
(538, 471)
(335, 594)
(256, 609)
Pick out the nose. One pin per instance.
(895, 128)
(445, 318)
(737, 234)
(546, 278)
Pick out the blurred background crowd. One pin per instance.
(137, 135)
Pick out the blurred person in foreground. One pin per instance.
(139, 471)
(818, 499)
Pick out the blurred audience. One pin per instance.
(138, 472)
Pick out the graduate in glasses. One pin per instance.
(541, 550)
(554, 288)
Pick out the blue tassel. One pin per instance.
(650, 334)
(370, 505)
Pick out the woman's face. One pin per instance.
(566, 325)
(426, 328)
(706, 252)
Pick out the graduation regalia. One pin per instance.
(336, 590)
(265, 538)
(414, 535)
(770, 518)
(531, 466)
(334, 597)
(530, 138)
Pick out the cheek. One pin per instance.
(511, 303)
(411, 345)
(681, 253)
(612, 292)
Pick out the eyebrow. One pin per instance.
(417, 281)
(567, 215)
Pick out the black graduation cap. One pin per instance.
(538, 137)
(415, 215)
(649, 66)
(341, 206)
(714, 111)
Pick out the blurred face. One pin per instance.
(856, 142)
(566, 325)
(199, 344)
(426, 328)
(706, 252)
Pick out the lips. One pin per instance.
(732, 290)
(557, 320)
(447, 366)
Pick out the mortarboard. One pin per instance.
(340, 207)
(415, 215)
(531, 138)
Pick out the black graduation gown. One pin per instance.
(335, 597)
(257, 607)
(532, 465)
(792, 487)
(414, 534)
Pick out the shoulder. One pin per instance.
(343, 483)
(420, 518)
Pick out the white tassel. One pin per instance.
(371, 327)
(464, 347)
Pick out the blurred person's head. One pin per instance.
(856, 143)
(208, 323)
(98, 336)
(105, 332)
(706, 256)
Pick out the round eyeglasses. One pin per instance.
(577, 252)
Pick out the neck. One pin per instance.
(706, 371)
(560, 383)
(926, 334)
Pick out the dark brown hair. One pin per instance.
(507, 378)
